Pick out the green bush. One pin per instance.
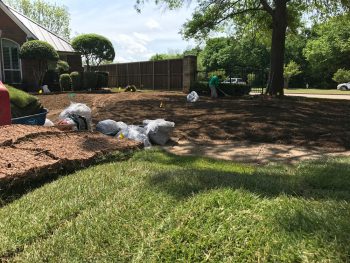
(42, 53)
(76, 80)
(51, 79)
(65, 82)
(234, 89)
(202, 88)
(62, 67)
(38, 50)
(341, 76)
(102, 79)
(130, 88)
(89, 80)
(22, 103)
(94, 48)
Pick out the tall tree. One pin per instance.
(277, 14)
(328, 49)
(51, 16)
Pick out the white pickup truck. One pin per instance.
(235, 81)
(344, 86)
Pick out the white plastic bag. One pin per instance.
(135, 133)
(48, 123)
(107, 127)
(192, 97)
(159, 131)
(78, 109)
(46, 89)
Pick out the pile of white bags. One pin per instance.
(77, 113)
(110, 127)
(159, 131)
(135, 133)
(155, 131)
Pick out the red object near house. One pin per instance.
(5, 106)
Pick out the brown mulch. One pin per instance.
(306, 122)
(30, 152)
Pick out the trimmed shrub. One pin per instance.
(94, 48)
(62, 67)
(102, 79)
(51, 79)
(40, 52)
(130, 88)
(234, 89)
(89, 80)
(76, 80)
(202, 88)
(65, 82)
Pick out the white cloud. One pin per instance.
(135, 36)
(153, 24)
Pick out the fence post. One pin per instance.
(169, 72)
(153, 76)
(189, 72)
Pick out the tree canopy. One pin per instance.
(275, 16)
(53, 17)
(94, 48)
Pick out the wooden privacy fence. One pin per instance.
(172, 74)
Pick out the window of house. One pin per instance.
(11, 61)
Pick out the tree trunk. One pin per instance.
(279, 20)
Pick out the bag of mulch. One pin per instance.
(80, 111)
(135, 133)
(110, 127)
(159, 131)
(192, 97)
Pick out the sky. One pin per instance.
(135, 36)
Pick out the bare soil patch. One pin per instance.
(29, 152)
(304, 122)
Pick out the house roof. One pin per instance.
(37, 31)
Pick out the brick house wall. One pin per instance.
(10, 30)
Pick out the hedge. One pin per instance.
(102, 79)
(202, 88)
(76, 80)
(89, 80)
(65, 82)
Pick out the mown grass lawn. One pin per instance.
(156, 207)
(317, 91)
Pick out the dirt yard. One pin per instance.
(294, 121)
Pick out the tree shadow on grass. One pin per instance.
(322, 179)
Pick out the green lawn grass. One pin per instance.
(156, 207)
(317, 91)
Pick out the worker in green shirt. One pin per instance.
(213, 85)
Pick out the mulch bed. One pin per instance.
(295, 121)
(28, 152)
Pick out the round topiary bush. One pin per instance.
(76, 80)
(94, 48)
(38, 50)
(41, 53)
(65, 82)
